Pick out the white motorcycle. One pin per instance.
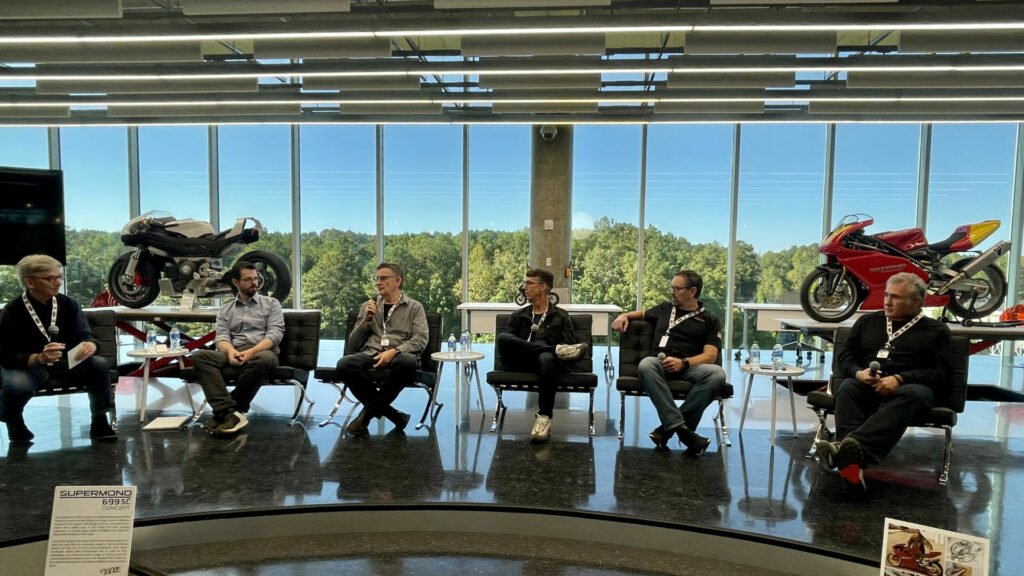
(173, 256)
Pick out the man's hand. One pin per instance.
(866, 377)
(385, 357)
(887, 385)
(371, 309)
(672, 364)
(243, 357)
(87, 349)
(52, 352)
(620, 323)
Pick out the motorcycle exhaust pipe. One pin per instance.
(977, 264)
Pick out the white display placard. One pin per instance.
(188, 301)
(90, 530)
(910, 549)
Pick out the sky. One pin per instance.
(688, 182)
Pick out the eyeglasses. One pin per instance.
(679, 288)
(532, 283)
(382, 278)
(248, 280)
(57, 278)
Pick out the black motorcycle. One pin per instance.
(173, 257)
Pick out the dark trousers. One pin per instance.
(354, 371)
(213, 365)
(518, 355)
(19, 386)
(878, 422)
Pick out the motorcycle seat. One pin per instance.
(944, 246)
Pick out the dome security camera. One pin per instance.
(548, 132)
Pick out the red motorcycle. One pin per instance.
(859, 264)
(916, 556)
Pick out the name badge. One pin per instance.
(384, 342)
(882, 354)
(663, 342)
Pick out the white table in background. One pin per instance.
(460, 358)
(481, 318)
(787, 372)
(147, 357)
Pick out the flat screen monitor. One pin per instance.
(31, 214)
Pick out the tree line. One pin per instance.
(337, 267)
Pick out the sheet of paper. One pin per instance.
(910, 549)
(166, 423)
(90, 530)
(71, 356)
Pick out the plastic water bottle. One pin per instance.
(151, 340)
(755, 355)
(464, 341)
(777, 357)
(175, 338)
(451, 345)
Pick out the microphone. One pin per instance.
(53, 330)
(661, 356)
(369, 313)
(874, 367)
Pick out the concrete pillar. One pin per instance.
(551, 203)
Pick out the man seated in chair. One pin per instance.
(539, 338)
(249, 332)
(391, 334)
(37, 328)
(893, 364)
(688, 339)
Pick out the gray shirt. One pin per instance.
(406, 329)
(245, 325)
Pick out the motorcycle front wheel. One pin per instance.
(138, 291)
(989, 299)
(827, 303)
(273, 275)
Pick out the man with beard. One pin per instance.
(249, 333)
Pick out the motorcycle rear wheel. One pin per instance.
(139, 291)
(829, 305)
(988, 302)
(273, 275)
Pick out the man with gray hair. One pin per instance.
(894, 362)
(36, 328)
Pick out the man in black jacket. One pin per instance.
(894, 362)
(539, 338)
(38, 329)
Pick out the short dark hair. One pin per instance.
(397, 269)
(693, 280)
(236, 273)
(546, 277)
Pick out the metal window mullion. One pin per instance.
(924, 161)
(734, 197)
(296, 216)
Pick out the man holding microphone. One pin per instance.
(392, 333)
(894, 362)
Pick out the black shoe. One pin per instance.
(17, 431)
(695, 443)
(233, 422)
(398, 418)
(101, 430)
(357, 427)
(825, 453)
(850, 461)
(214, 422)
(660, 437)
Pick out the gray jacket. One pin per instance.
(406, 329)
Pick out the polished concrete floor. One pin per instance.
(748, 487)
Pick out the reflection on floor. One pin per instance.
(747, 487)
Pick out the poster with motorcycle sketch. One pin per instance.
(910, 549)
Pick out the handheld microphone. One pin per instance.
(661, 356)
(53, 330)
(369, 313)
(874, 367)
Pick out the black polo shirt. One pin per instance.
(689, 337)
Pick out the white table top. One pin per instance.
(169, 353)
(768, 306)
(766, 370)
(976, 332)
(446, 356)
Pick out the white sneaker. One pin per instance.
(569, 352)
(541, 429)
(232, 424)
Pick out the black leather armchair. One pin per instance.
(426, 376)
(580, 379)
(943, 414)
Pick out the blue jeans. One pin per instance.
(708, 381)
(19, 386)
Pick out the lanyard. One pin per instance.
(534, 328)
(888, 328)
(39, 323)
(384, 320)
(672, 322)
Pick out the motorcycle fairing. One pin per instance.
(974, 234)
(218, 245)
(904, 240)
